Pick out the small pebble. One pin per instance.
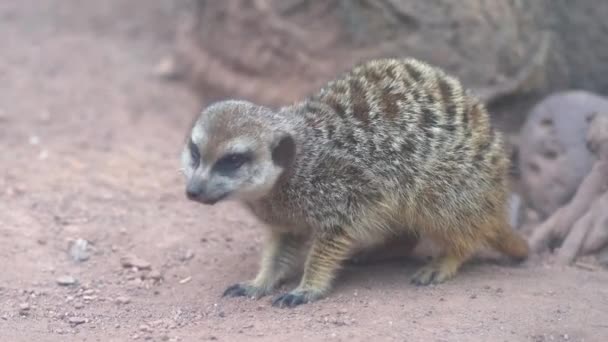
(77, 320)
(24, 309)
(122, 300)
(34, 140)
(145, 328)
(189, 254)
(185, 280)
(78, 250)
(131, 260)
(154, 275)
(66, 280)
(43, 155)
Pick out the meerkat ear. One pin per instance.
(283, 150)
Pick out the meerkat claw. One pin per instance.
(235, 290)
(289, 300)
(425, 276)
(243, 290)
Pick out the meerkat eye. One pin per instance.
(231, 162)
(194, 153)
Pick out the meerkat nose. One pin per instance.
(191, 194)
(193, 191)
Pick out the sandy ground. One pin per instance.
(89, 143)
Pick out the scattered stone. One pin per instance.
(154, 275)
(473, 296)
(78, 305)
(88, 292)
(189, 254)
(167, 69)
(185, 280)
(66, 280)
(78, 250)
(34, 140)
(131, 260)
(122, 300)
(43, 155)
(24, 309)
(145, 328)
(77, 320)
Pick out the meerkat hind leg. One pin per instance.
(279, 260)
(326, 255)
(443, 268)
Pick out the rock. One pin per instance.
(553, 156)
(188, 254)
(145, 328)
(185, 280)
(78, 250)
(66, 280)
(154, 275)
(24, 309)
(597, 138)
(167, 69)
(34, 140)
(122, 300)
(77, 320)
(603, 257)
(131, 260)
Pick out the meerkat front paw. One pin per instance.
(295, 298)
(245, 290)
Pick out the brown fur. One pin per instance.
(392, 144)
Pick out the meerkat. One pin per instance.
(392, 146)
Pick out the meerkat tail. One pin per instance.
(511, 244)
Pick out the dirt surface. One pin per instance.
(89, 143)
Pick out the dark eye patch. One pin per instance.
(194, 153)
(231, 162)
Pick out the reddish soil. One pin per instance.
(89, 145)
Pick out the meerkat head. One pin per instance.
(236, 150)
